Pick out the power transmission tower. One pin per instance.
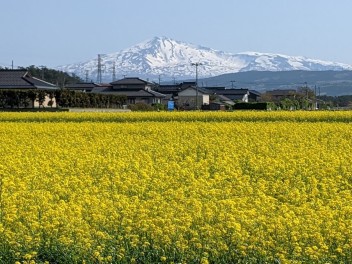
(86, 76)
(99, 77)
(114, 71)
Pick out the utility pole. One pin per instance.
(306, 87)
(315, 98)
(196, 64)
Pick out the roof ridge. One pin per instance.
(41, 80)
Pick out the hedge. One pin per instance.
(64, 98)
(251, 106)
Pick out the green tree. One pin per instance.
(56, 77)
(41, 97)
(306, 97)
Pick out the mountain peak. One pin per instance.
(172, 59)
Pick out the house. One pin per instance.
(132, 83)
(22, 80)
(279, 94)
(193, 98)
(86, 87)
(136, 90)
(242, 95)
(173, 89)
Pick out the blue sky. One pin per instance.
(58, 32)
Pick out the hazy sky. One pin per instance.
(58, 32)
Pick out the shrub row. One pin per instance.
(67, 98)
(64, 98)
(251, 106)
(23, 98)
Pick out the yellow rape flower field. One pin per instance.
(234, 187)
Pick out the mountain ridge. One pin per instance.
(171, 59)
(332, 83)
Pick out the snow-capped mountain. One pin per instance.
(169, 59)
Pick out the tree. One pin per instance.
(41, 97)
(59, 78)
(306, 97)
(287, 104)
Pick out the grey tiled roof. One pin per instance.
(98, 89)
(229, 91)
(235, 96)
(128, 93)
(130, 80)
(40, 84)
(20, 79)
(223, 98)
(81, 86)
(13, 79)
(200, 90)
(156, 94)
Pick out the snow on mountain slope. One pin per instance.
(169, 58)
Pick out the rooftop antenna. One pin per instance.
(99, 77)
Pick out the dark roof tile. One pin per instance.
(128, 93)
(130, 80)
(20, 79)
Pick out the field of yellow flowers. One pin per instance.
(234, 187)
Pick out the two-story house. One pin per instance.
(136, 90)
